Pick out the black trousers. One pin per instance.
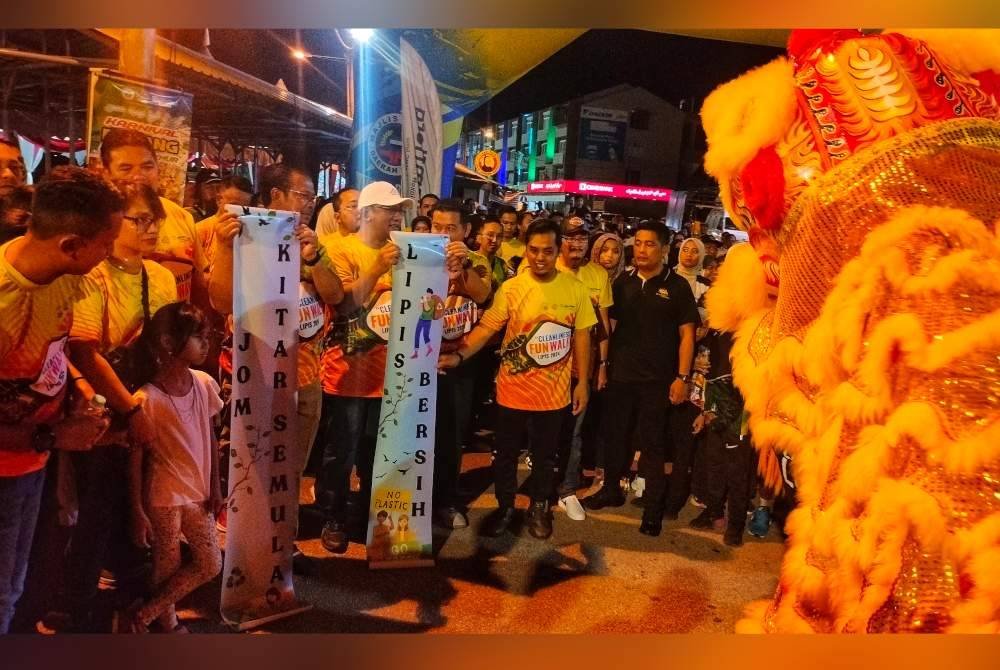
(100, 539)
(730, 464)
(455, 396)
(681, 424)
(646, 405)
(350, 429)
(515, 427)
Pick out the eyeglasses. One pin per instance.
(387, 208)
(305, 195)
(142, 222)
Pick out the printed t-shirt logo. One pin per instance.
(663, 293)
(460, 316)
(363, 329)
(22, 398)
(52, 376)
(379, 316)
(547, 344)
(310, 312)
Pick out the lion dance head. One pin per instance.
(866, 309)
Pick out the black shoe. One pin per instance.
(498, 522)
(651, 525)
(540, 520)
(608, 496)
(703, 521)
(334, 537)
(733, 537)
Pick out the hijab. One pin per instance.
(691, 274)
(595, 253)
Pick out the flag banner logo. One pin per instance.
(262, 507)
(399, 523)
(421, 111)
(162, 114)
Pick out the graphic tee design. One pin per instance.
(541, 317)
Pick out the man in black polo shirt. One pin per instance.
(654, 317)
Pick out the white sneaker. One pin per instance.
(638, 485)
(574, 510)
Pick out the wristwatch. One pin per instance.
(43, 439)
(684, 378)
(314, 261)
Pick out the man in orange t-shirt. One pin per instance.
(75, 221)
(548, 315)
(354, 361)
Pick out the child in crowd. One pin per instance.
(730, 458)
(178, 491)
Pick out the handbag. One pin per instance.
(124, 360)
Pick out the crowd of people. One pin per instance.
(583, 341)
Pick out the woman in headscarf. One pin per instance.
(690, 259)
(607, 252)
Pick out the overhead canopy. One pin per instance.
(43, 76)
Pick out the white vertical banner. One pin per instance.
(421, 116)
(263, 476)
(399, 523)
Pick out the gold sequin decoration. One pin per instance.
(950, 164)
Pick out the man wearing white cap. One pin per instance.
(354, 365)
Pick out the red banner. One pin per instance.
(626, 191)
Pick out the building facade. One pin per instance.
(621, 135)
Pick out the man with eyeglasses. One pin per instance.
(287, 188)
(354, 360)
(128, 156)
(469, 288)
(573, 259)
(489, 238)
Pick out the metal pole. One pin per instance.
(350, 82)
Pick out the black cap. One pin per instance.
(575, 225)
(207, 176)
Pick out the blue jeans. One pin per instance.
(20, 499)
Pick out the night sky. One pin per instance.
(673, 67)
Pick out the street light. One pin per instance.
(302, 56)
(361, 35)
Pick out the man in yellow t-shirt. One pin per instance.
(232, 190)
(469, 288)
(287, 188)
(354, 360)
(128, 155)
(548, 315)
(76, 217)
(511, 245)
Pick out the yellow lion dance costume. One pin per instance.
(866, 169)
